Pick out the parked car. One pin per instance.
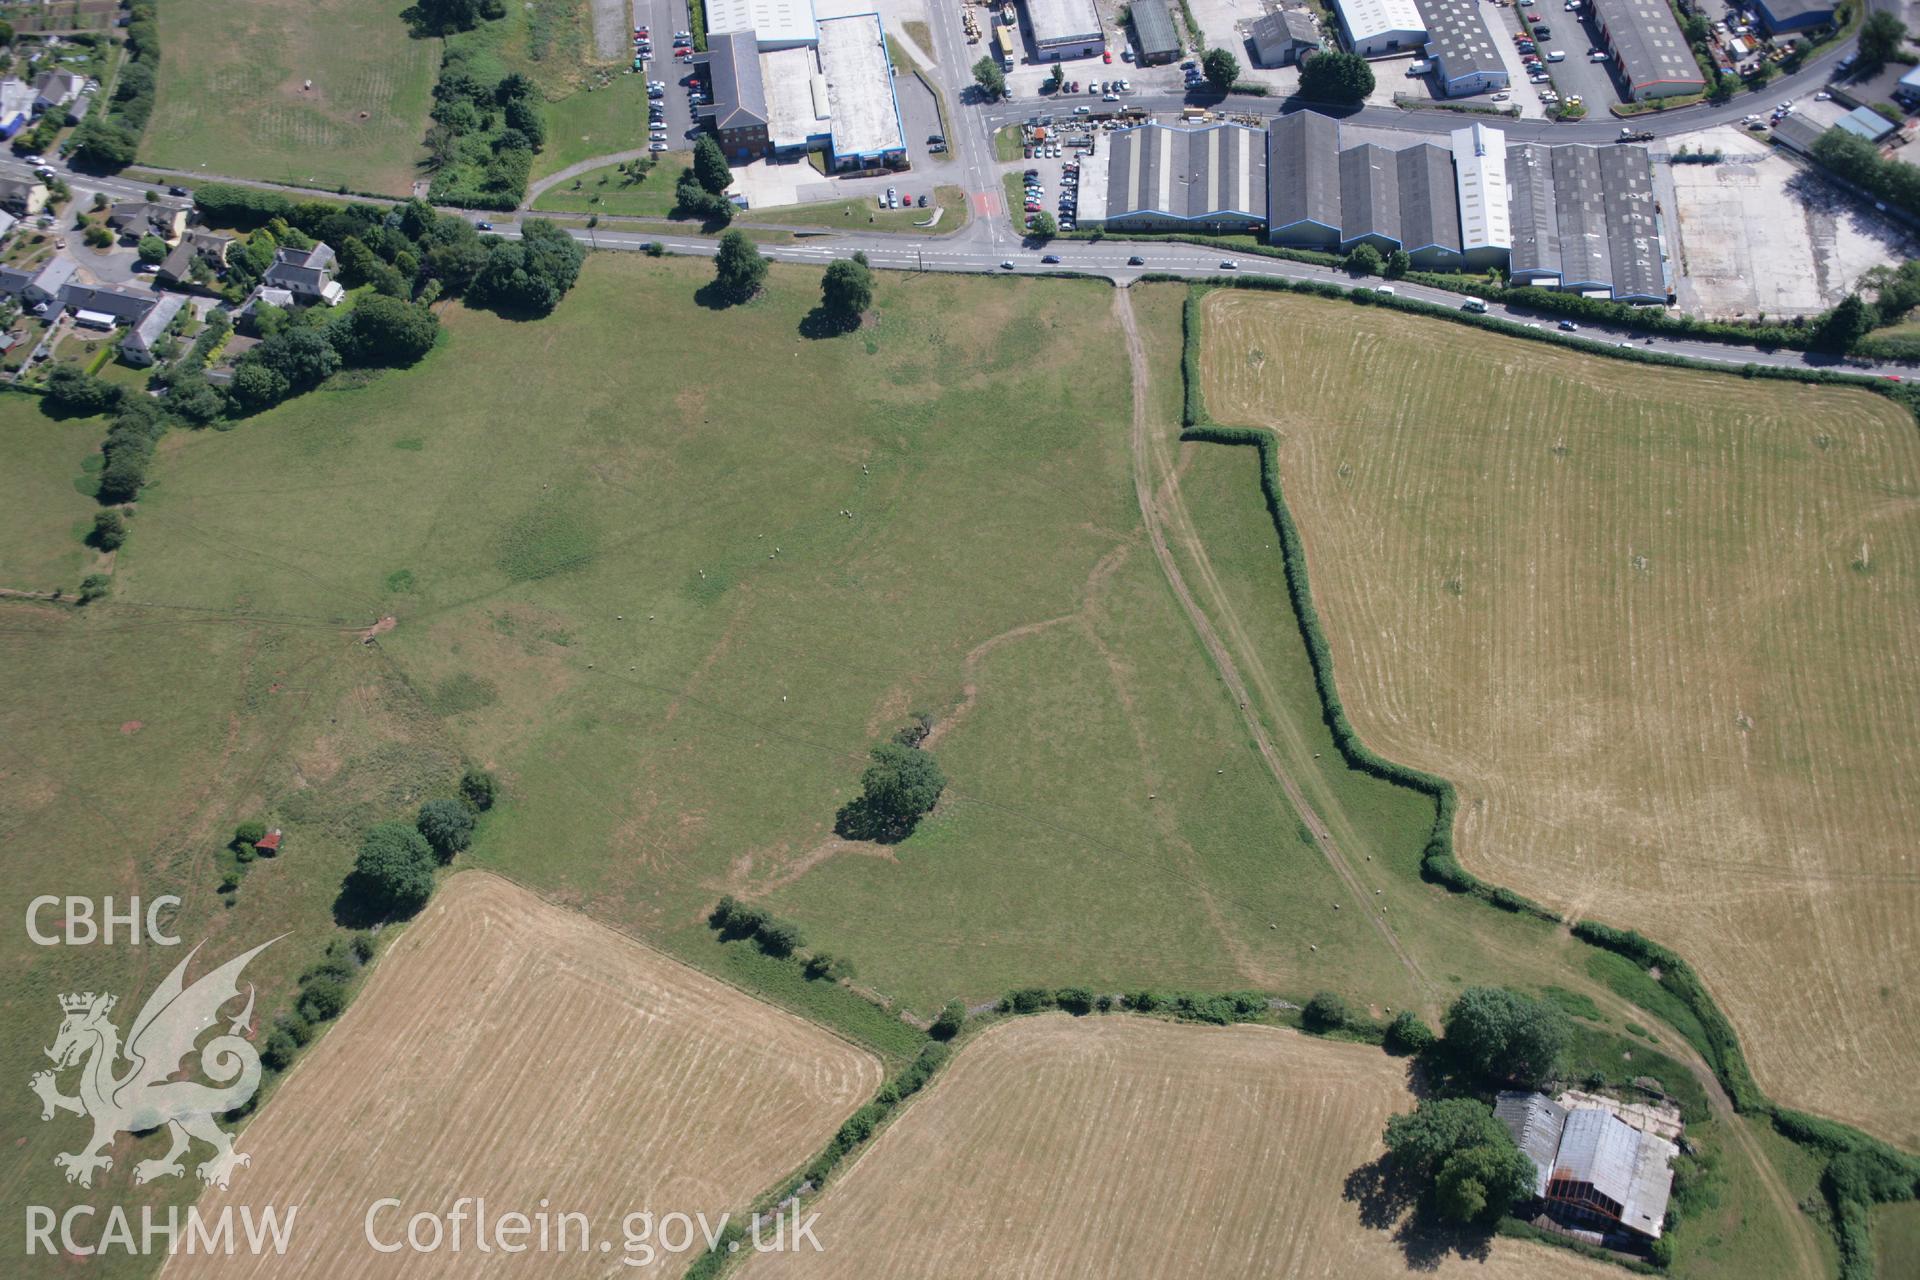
(1598, 55)
(1106, 55)
(656, 146)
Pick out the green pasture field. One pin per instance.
(232, 96)
(46, 496)
(576, 528)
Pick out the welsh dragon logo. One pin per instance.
(140, 1095)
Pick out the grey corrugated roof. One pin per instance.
(1303, 170)
(1457, 35)
(1534, 210)
(1370, 193)
(1648, 43)
(1187, 173)
(1633, 237)
(1785, 11)
(1586, 260)
(739, 101)
(1535, 1121)
(1429, 202)
(1629, 1167)
(1153, 27)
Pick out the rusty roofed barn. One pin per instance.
(1593, 1172)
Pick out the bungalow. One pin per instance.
(23, 196)
(125, 306)
(56, 89)
(133, 219)
(209, 247)
(137, 347)
(307, 274)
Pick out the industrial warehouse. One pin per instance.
(1576, 217)
(1454, 34)
(1065, 29)
(798, 84)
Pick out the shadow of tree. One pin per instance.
(821, 323)
(1391, 1199)
(714, 297)
(857, 820)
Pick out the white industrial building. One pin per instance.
(1064, 29)
(1382, 28)
(1480, 183)
(776, 24)
(865, 128)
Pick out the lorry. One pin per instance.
(1631, 135)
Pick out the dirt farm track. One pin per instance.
(1119, 1146)
(1658, 628)
(508, 1049)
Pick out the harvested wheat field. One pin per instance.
(1122, 1146)
(510, 1050)
(1659, 628)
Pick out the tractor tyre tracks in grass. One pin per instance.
(1168, 507)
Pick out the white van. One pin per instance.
(1557, 55)
(1476, 305)
(1419, 68)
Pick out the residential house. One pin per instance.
(132, 219)
(307, 274)
(195, 245)
(22, 196)
(124, 306)
(39, 285)
(137, 347)
(56, 89)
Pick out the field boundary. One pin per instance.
(1861, 1170)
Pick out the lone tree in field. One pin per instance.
(899, 788)
(447, 825)
(738, 268)
(1467, 1155)
(991, 79)
(393, 874)
(1221, 68)
(710, 165)
(478, 789)
(1335, 77)
(1503, 1035)
(846, 291)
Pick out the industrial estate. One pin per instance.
(902, 638)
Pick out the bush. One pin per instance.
(322, 1000)
(1026, 1000)
(276, 1054)
(1075, 1000)
(93, 586)
(1325, 1012)
(74, 391)
(1406, 1034)
(779, 938)
(249, 833)
(393, 873)
(447, 826)
(478, 789)
(947, 1025)
(1142, 1001)
(109, 530)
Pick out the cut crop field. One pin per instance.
(233, 96)
(1657, 627)
(1056, 1147)
(510, 1050)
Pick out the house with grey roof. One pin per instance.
(56, 88)
(137, 347)
(23, 196)
(307, 274)
(1283, 37)
(40, 286)
(738, 114)
(132, 219)
(1592, 1170)
(124, 306)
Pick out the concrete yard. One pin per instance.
(1758, 233)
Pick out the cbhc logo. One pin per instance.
(81, 928)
